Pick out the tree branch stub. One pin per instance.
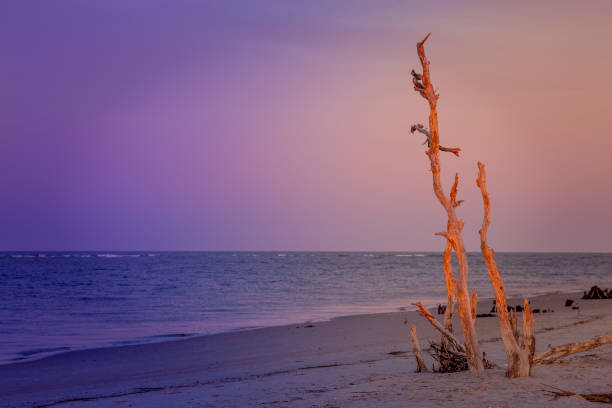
(416, 350)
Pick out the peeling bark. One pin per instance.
(423, 85)
(518, 359)
(555, 353)
(416, 350)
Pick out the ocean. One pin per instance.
(52, 302)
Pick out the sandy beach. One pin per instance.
(356, 361)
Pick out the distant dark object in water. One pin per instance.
(485, 315)
(494, 308)
(569, 302)
(597, 293)
(309, 325)
(575, 307)
(519, 308)
(536, 310)
(441, 309)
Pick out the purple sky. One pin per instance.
(255, 125)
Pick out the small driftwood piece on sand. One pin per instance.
(558, 392)
(424, 86)
(555, 353)
(519, 358)
(416, 350)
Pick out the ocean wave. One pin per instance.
(119, 255)
(28, 353)
(91, 255)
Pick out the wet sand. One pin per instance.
(355, 361)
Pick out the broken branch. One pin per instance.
(416, 350)
(555, 353)
(427, 315)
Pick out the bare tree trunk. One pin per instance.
(423, 85)
(555, 353)
(416, 350)
(529, 343)
(474, 304)
(518, 360)
(514, 325)
(450, 290)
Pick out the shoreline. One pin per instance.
(172, 337)
(364, 356)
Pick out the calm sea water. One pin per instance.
(53, 302)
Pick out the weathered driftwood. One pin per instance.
(449, 360)
(555, 353)
(558, 392)
(450, 290)
(423, 85)
(597, 293)
(453, 341)
(416, 350)
(518, 358)
(514, 325)
(474, 304)
(528, 344)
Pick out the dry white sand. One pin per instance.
(341, 363)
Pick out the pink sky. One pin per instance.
(284, 125)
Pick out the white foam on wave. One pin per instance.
(123, 255)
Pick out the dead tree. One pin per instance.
(423, 85)
(519, 358)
